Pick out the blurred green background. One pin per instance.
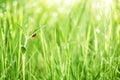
(80, 40)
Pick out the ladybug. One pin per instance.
(34, 35)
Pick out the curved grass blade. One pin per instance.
(36, 30)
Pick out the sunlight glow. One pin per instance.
(58, 2)
(69, 2)
(108, 5)
(101, 7)
(108, 2)
(15, 3)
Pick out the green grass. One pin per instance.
(75, 42)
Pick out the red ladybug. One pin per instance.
(34, 35)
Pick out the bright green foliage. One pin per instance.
(73, 41)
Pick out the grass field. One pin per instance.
(59, 39)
